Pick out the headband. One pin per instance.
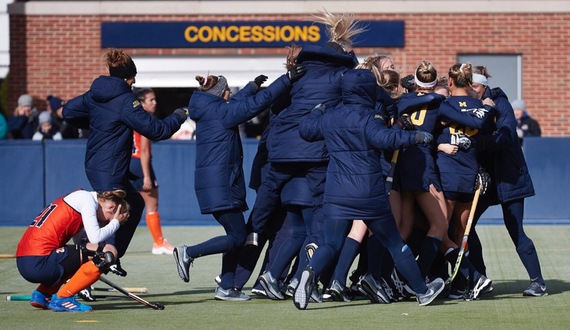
(129, 70)
(479, 79)
(425, 85)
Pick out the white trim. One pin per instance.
(180, 71)
(283, 7)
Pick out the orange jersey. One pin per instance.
(137, 145)
(61, 220)
(51, 229)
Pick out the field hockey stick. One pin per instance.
(131, 295)
(132, 290)
(28, 298)
(465, 234)
(390, 177)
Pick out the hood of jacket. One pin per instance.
(359, 88)
(325, 53)
(106, 88)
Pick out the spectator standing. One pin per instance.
(22, 123)
(67, 130)
(3, 127)
(46, 130)
(526, 125)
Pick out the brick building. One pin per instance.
(56, 47)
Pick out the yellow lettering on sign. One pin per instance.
(252, 33)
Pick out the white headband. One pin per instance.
(479, 79)
(425, 85)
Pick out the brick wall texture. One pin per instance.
(61, 55)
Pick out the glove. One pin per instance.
(259, 80)
(182, 113)
(117, 269)
(296, 72)
(405, 123)
(423, 138)
(483, 180)
(461, 140)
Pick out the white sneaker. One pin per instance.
(165, 248)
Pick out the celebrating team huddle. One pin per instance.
(356, 160)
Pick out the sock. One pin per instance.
(153, 224)
(48, 291)
(345, 260)
(86, 275)
(428, 251)
(375, 259)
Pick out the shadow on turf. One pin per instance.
(121, 303)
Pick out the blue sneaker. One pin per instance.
(67, 305)
(39, 300)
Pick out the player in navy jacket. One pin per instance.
(111, 112)
(219, 178)
(290, 155)
(501, 155)
(354, 134)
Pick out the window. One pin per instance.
(505, 71)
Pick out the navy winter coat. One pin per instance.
(113, 112)
(355, 134)
(320, 84)
(219, 178)
(502, 154)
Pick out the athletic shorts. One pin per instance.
(49, 270)
(136, 174)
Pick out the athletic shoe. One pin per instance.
(258, 292)
(232, 294)
(291, 287)
(67, 305)
(303, 291)
(434, 289)
(39, 300)
(488, 290)
(327, 295)
(164, 248)
(535, 290)
(339, 292)
(374, 290)
(271, 286)
(456, 294)
(399, 285)
(316, 297)
(310, 250)
(252, 239)
(86, 295)
(481, 285)
(183, 262)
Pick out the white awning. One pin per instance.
(180, 71)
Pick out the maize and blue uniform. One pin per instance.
(458, 171)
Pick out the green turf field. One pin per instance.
(192, 305)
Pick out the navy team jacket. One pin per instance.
(219, 178)
(111, 111)
(502, 154)
(320, 84)
(355, 134)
